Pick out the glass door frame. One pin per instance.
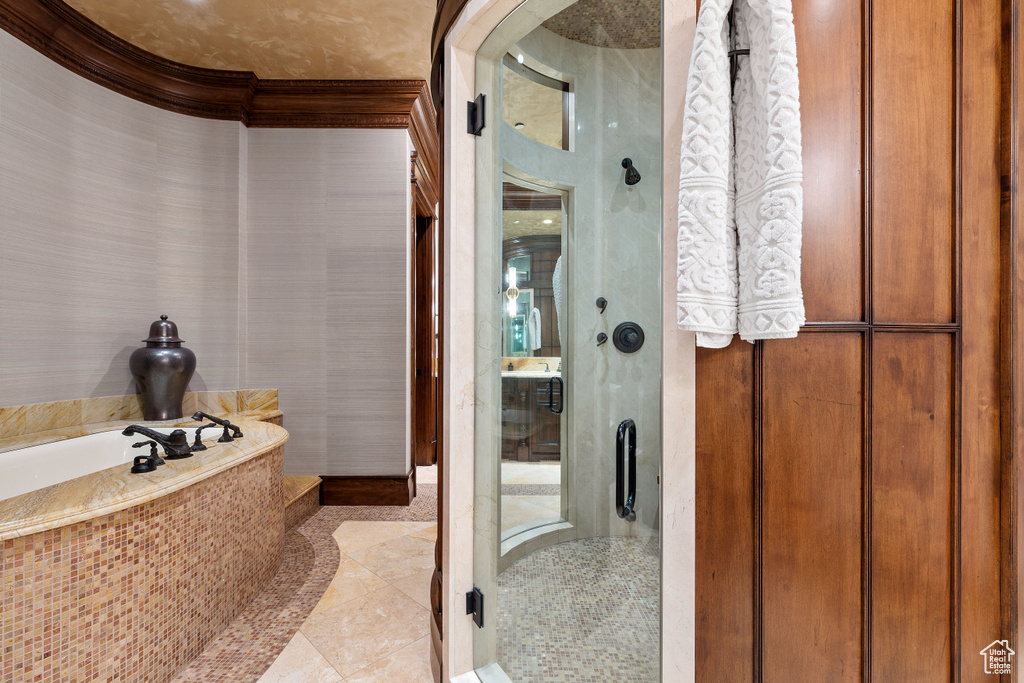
(525, 541)
(461, 43)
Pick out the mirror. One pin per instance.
(538, 106)
(533, 221)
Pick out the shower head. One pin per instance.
(632, 175)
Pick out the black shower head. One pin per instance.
(632, 175)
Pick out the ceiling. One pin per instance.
(309, 39)
(529, 223)
(333, 39)
(621, 24)
(537, 108)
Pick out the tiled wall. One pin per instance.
(282, 255)
(134, 596)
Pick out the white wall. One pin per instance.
(282, 255)
(111, 214)
(328, 265)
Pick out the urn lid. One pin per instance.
(163, 331)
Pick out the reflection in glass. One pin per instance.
(576, 586)
(531, 364)
(534, 104)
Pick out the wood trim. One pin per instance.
(447, 13)
(368, 490)
(84, 47)
(518, 198)
(757, 666)
(73, 40)
(1011, 370)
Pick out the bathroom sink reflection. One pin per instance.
(530, 367)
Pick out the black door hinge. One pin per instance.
(475, 606)
(475, 115)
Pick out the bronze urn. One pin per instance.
(162, 370)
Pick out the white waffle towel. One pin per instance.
(740, 193)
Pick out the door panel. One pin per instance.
(848, 505)
(911, 184)
(812, 495)
(912, 482)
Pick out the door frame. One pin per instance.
(458, 55)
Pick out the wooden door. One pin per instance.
(424, 345)
(848, 480)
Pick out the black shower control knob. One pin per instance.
(628, 337)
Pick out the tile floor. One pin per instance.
(372, 624)
(585, 611)
(350, 603)
(530, 494)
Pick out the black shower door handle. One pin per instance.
(624, 501)
(551, 395)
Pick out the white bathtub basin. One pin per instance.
(30, 469)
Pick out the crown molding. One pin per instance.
(79, 44)
(76, 42)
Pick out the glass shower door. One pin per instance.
(568, 300)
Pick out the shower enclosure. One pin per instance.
(568, 344)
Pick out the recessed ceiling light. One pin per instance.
(519, 59)
(548, 221)
(516, 222)
(520, 126)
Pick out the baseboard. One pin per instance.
(375, 490)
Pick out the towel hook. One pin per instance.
(734, 55)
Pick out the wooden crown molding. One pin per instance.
(73, 40)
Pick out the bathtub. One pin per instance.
(29, 469)
(127, 577)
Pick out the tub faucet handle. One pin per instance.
(200, 416)
(175, 444)
(143, 464)
(226, 436)
(153, 455)
(197, 445)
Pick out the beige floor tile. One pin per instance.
(352, 580)
(353, 536)
(428, 532)
(531, 473)
(359, 632)
(416, 586)
(300, 662)
(516, 510)
(409, 665)
(426, 475)
(397, 558)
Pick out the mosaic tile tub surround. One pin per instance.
(135, 595)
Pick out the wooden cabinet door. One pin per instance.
(546, 433)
